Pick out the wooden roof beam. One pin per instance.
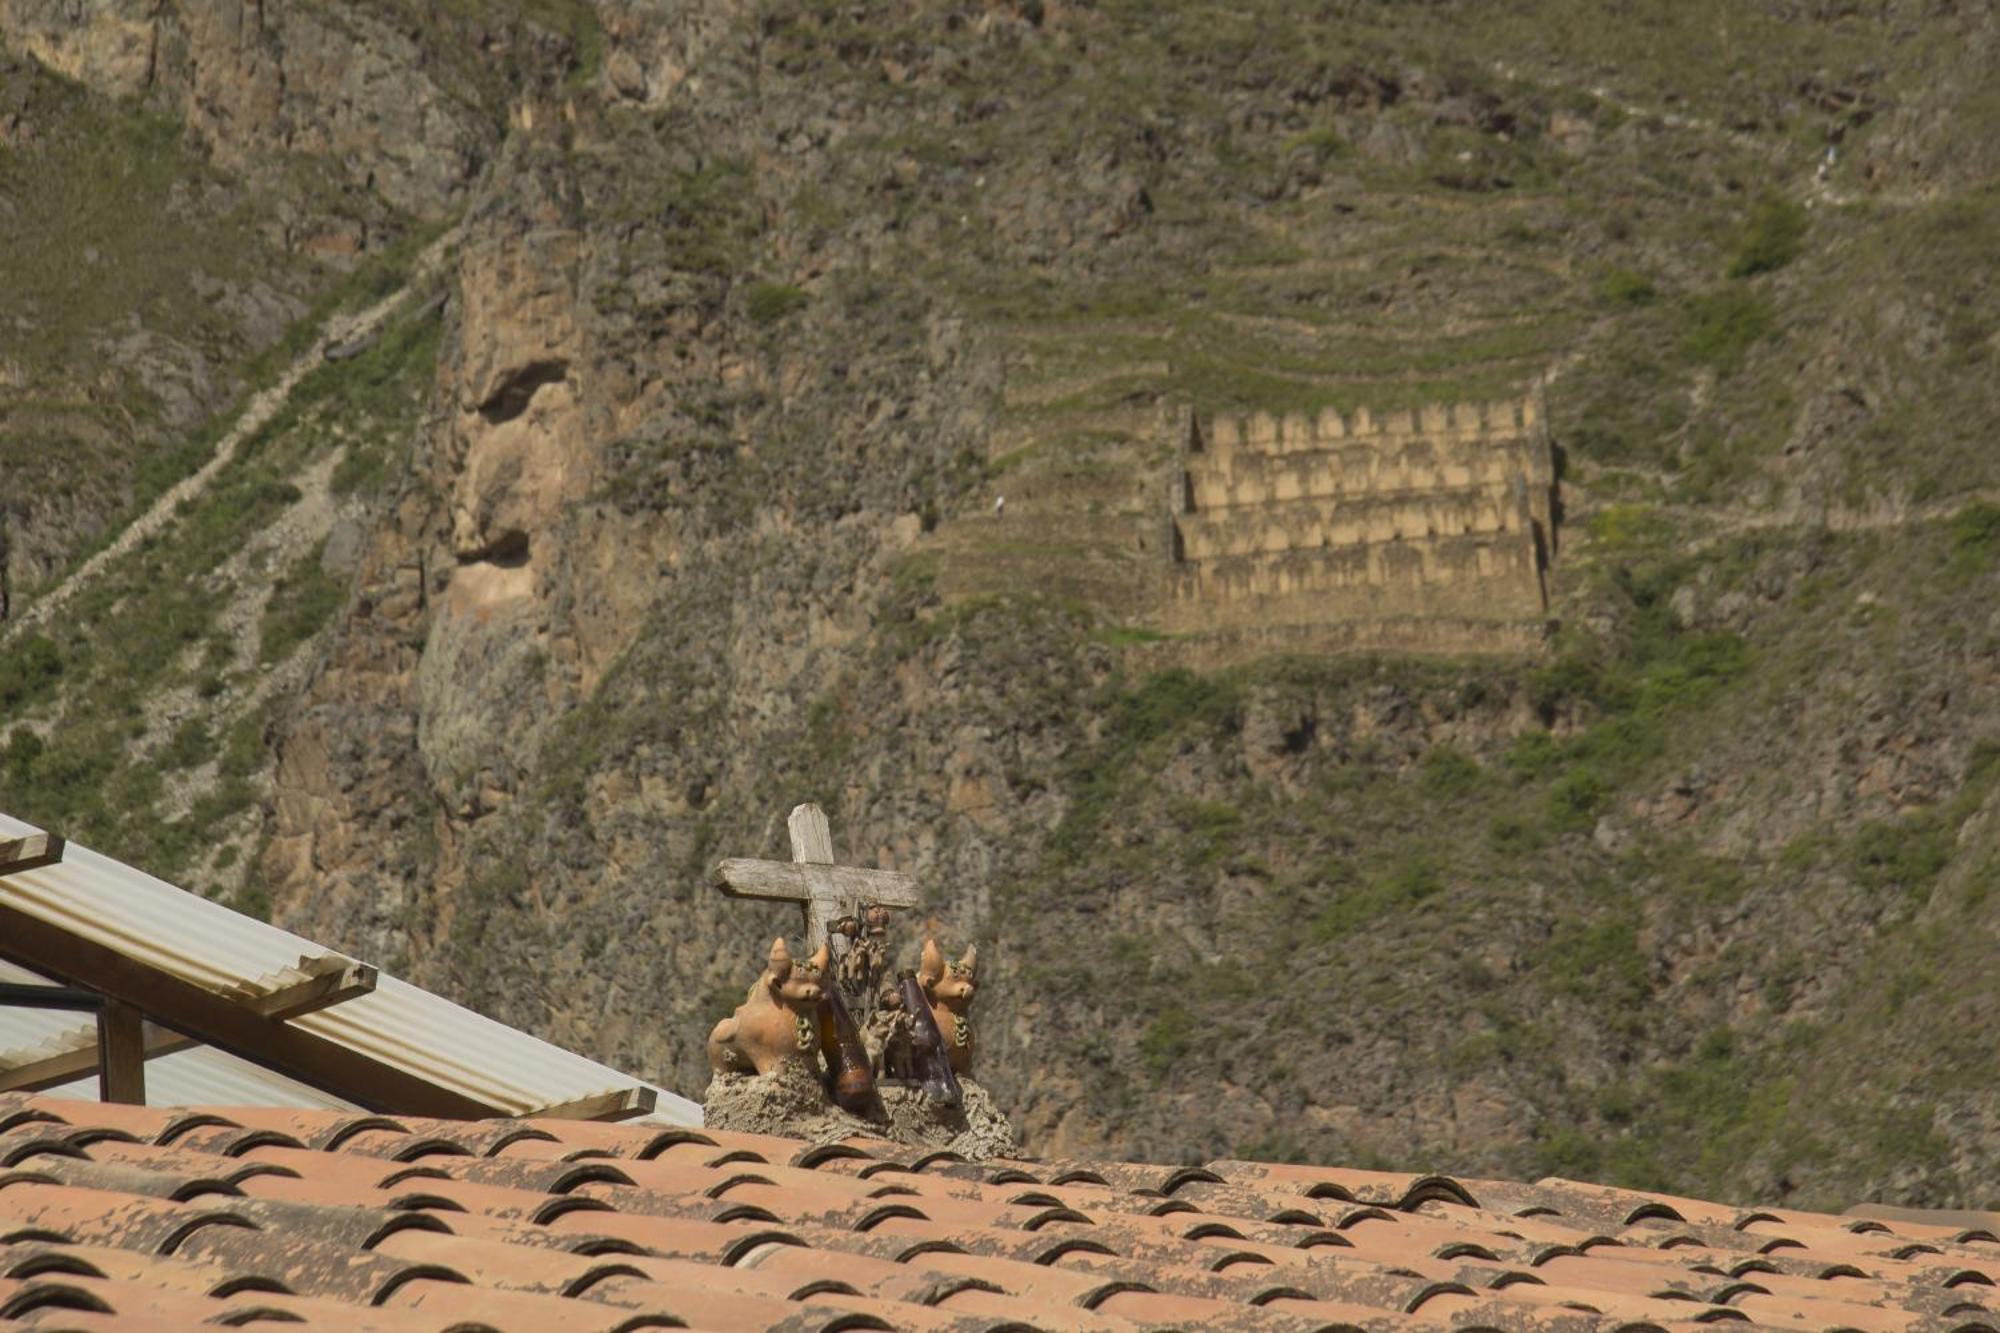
(229, 1024)
(617, 1104)
(78, 1059)
(29, 853)
(330, 979)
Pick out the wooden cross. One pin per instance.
(826, 891)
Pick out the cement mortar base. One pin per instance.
(790, 1101)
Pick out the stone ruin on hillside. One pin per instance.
(1427, 530)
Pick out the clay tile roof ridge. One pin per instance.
(599, 1172)
(519, 1134)
(564, 1204)
(185, 1124)
(13, 1154)
(219, 1218)
(13, 1116)
(331, 1138)
(818, 1154)
(36, 1296)
(38, 1263)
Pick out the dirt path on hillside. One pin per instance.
(342, 328)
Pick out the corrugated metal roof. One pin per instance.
(188, 937)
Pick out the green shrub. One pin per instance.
(1215, 826)
(301, 602)
(1622, 286)
(67, 775)
(1686, 872)
(1168, 701)
(1577, 798)
(770, 302)
(1536, 754)
(362, 467)
(1771, 239)
(17, 762)
(1323, 143)
(243, 749)
(1600, 963)
(28, 672)
(1355, 904)
(1449, 772)
(1513, 834)
(1722, 327)
(190, 745)
(253, 899)
(1975, 538)
(1167, 1040)
(1905, 854)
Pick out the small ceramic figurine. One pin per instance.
(948, 987)
(777, 1021)
(867, 957)
(887, 1035)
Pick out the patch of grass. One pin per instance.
(1167, 708)
(244, 750)
(1215, 827)
(1600, 962)
(190, 744)
(1167, 1040)
(1773, 237)
(362, 467)
(1906, 855)
(769, 302)
(1127, 636)
(1975, 538)
(1686, 873)
(1623, 528)
(1723, 325)
(30, 670)
(302, 601)
(1577, 798)
(708, 218)
(1626, 287)
(1449, 774)
(1356, 901)
(1171, 700)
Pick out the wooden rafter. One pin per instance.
(329, 980)
(121, 1054)
(78, 1059)
(29, 853)
(228, 1023)
(617, 1104)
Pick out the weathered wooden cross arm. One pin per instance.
(826, 891)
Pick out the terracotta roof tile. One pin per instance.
(122, 1217)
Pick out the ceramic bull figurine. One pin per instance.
(777, 1021)
(948, 987)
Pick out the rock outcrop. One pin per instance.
(257, 80)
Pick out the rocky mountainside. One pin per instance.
(663, 498)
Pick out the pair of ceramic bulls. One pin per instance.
(921, 1029)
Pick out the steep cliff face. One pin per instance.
(754, 313)
(256, 81)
